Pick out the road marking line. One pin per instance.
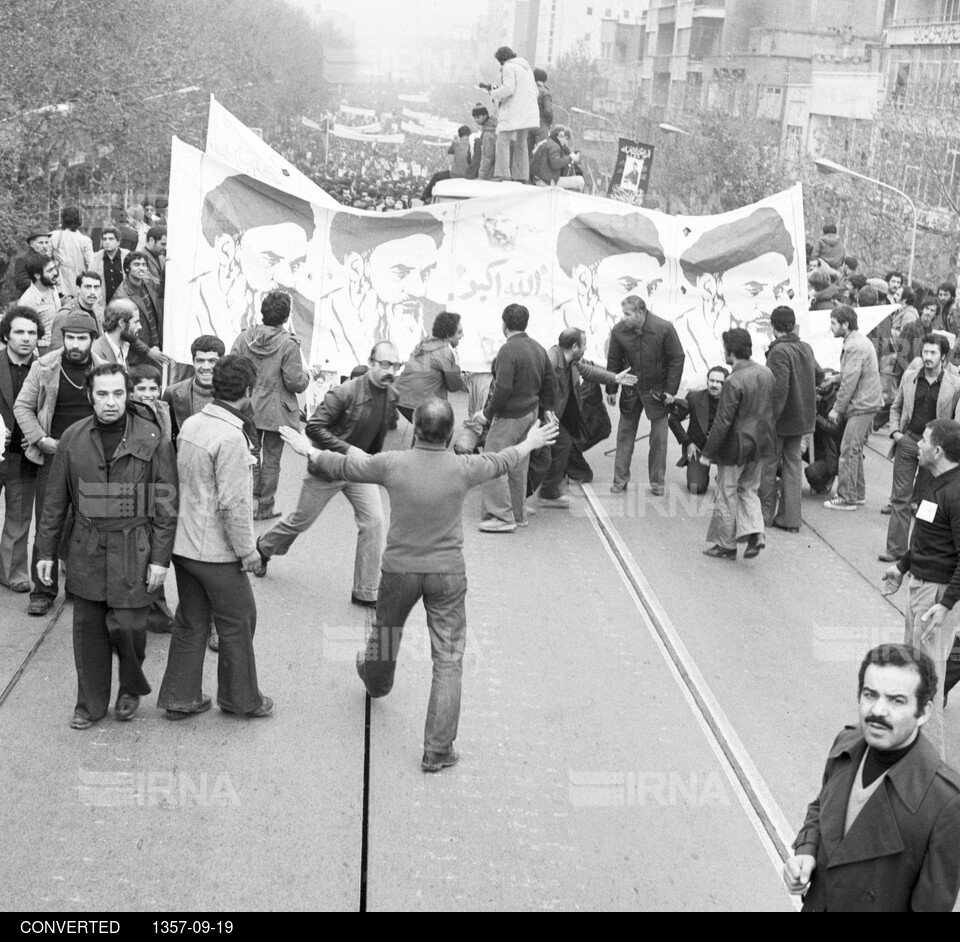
(748, 784)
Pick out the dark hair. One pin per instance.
(929, 300)
(738, 343)
(571, 337)
(539, 75)
(130, 259)
(36, 264)
(851, 262)
(112, 230)
(141, 372)
(946, 434)
(637, 303)
(868, 296)
(937, 339)
(949, 287)
(480, 112)
(782, 319)
(207, 343)
(894, 274)
(15, 311)
(89, 274)
(156, 233)
(718, 369)
(844, 314)
(70, 218)
(445, 325)
(464, 130)
(903, 655)
(275, 308)
(233, 375)
(858, 280)
(830, 228)
(504, 54)
(119, 309)
(103, 369)
(908, 296)
(433, 421)
(515, 317)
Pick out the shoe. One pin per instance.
(780, 526)
(561, 502)
(755, 544)
(261, 570)
(205, 704)
(80, 722)
(838, 503)
(39, 606)
(127, 705)
(496, 526)
(266, 515)
(523, 523)
(656, 490)
(718, 552)
(617, 488)
(434, 762)
(265, 709)
(585, 479)
(366, 603)
(20, 586)
(861, 502)
(886, 511)
(889, 557)
(530, 506)
(213, 641)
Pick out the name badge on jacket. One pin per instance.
(927, 511)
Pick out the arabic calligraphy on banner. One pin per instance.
(357, 277)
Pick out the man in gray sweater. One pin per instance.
(424, 554)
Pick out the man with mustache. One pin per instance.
(883, 835)
(933, 559)
(52, 398)
(43, 294)
(352, 417)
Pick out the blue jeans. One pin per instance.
(368, 511)
(444, 595)
(266, 476)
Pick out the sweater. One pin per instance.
(523, 380)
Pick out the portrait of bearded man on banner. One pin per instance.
(734, 275)
(608, 257)
(260, 236)
(388, 262)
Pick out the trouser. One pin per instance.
(626, 441)
(922, 596)
(504, 496)
(698, 477)
(577, 467)
(444, 595)
(513, 157)
(41, 591)
(434, 180)
(737, 507)
(368, 511)
(160, 618)
(781, 501)
(851, 486)
(267, 474)
(98, 631)
(221, 590)
(18, 482)
(552, 486)
(908, 479)
(406, 412)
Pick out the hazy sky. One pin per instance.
(386, 23)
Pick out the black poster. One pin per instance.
(631, 175)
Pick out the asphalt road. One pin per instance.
(590, 777)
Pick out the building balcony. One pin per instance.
(924, 34)
(710, 11)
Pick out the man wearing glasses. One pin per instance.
(352, 417)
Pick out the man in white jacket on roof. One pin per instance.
(519, 115)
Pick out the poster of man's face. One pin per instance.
(631, 174)
(610, 257)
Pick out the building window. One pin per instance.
(607, 12)
(951, 10)
(586, 37)
(589, 11)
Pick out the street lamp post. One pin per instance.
(673, 129)
(829, 167)
(593, 114)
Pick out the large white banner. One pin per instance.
(357, 277)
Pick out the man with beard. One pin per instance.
(38, 243)
(608, 257)
(116, 471)
(140, 289)
(883, 835)
(388, 264)
(52, 399)
(121, 324)
(260, 238)
(737, 273)
(701, 406)
(43, 295)
(353, 417)
(933, 559)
